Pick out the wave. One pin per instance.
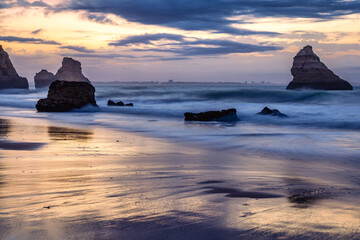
(320, 109)
(218, 93)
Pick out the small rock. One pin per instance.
(120, 104)
(272, 112)
(228, 115)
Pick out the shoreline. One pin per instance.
(95, 180)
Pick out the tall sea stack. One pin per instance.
(70, 71)
(8, 75)
(310, 73)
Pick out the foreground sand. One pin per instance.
(67, 182)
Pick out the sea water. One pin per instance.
(319, 123)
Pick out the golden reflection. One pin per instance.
(5, 127)
(114, 176)
(65, 134)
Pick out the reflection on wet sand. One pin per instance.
(304, 194)
(5, 127)
(117, 185)
(64, 134)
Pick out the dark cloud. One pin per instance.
(27, 40)
(24, 3)
(37, 31)
(100, 18)
(214, 15)
(97, 55)
(147, 39)
(171, 58)
(195, 47)
(78, 49)
(215, 50)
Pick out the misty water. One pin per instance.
(142, 172)
(319, 123)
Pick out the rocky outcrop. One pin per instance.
(310, 72)
(43, 79)
(272, 112)
(8, 75)
(70, 71)
(64, 96)
(121, 104)
(228, 115)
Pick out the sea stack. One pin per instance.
(310, 73)
(64, 96)
(8, 75)
(70, 71)
(43, 79)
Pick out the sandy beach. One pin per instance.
(67, 182)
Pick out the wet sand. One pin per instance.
(69, 182)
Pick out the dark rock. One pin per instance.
(64, 96)
(111, 103)
(310, 72)
(221, 116)
(8, 75)
(272, 112)
(70, 71)
(43, 79)
(120, 104)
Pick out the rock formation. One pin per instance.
(121, 104)
(310, 72)
(43, 79)
(8, 75)
(70, 71)
(272, 112)
(64, 96)
(228, 115)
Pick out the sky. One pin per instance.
(183, 40)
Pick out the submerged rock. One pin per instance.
(310, 72)
(43, 79)
(70, 71)
(120, 104)
(64, 96)
(8, 75)
(228, 115)
(272, 112)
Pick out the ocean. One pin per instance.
(319, 123)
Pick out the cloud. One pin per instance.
(37, 31)
(195, 47)
(214, 15)
(24, 3)
(147, 39)
(27, 40)
(78, 49)
(97, 55)
(220, 49)
(100, 18)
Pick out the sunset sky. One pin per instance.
(184, 40)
